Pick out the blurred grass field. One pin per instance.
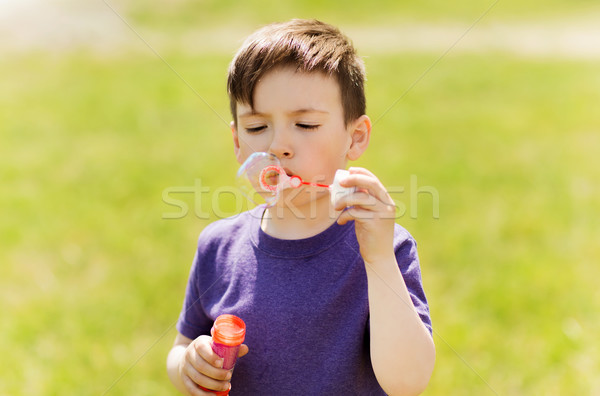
(92, 276)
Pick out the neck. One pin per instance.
(299, 222)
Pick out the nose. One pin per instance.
(281, 145)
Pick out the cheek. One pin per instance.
(323, 163)
(334, 150)
(249, 146)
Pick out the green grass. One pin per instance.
(184, 14)
(511, 147)
(92, 276)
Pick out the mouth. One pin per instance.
(269, 177)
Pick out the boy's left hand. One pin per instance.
(373, 211)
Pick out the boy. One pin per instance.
(331, 295)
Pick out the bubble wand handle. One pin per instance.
(335, 189)
(308, 183)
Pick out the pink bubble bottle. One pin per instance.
(228, 333)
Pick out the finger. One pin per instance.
(354, 213)
(361, 213)
(361, 181)
(202, 367)
(243, 350)
(203, 347)
(192, 388)
(364, 171)
(360, 198)
(367, 182)
(200, 364)
(199, 379)
(367, 202)
(344, 218)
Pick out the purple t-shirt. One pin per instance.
(304, 302)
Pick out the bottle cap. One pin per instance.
(217, 393)
(228, 330)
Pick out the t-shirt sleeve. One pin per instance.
(193, 321)
(408, 261)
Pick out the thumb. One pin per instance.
(243, 350)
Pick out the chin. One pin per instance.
(302, 198)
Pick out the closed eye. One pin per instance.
(308, 126)
(255, 129)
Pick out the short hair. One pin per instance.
(308, 45)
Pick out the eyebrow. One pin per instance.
(254, 113)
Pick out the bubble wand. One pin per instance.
(274, 172)
(263, 174)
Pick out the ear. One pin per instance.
(236, 142)
(360, 132)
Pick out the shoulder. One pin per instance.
(402, 237)
(227, 225)
(405, 247)
(228, 230)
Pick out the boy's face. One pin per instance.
(298, 117)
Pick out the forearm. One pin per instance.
(173, 359)
(402, 350)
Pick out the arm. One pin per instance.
(402, 350)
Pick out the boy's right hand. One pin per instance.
(201, 366)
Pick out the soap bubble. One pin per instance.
(261, 178)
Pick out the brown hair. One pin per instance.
(309, 45)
